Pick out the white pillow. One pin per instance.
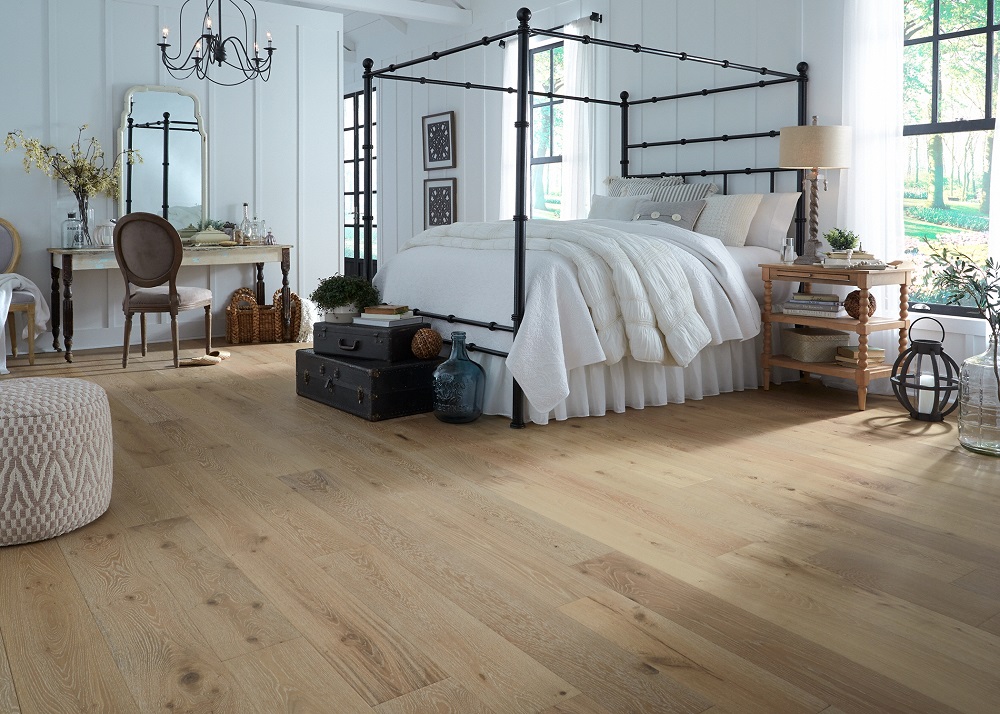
(614, 208)
(618, 186)
(728, 218)
(773, 219)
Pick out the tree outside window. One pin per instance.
(546, 68)
(950, 74)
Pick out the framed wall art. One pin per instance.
(439, 141)
(439, 202)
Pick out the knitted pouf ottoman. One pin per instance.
(55, 457)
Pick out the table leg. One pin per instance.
(261, 298)
(286, 297)
(67, 305)
(904, 307)
(56, 312)
(765, 359)
(862, 350)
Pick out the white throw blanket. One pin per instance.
(639, 297)
(9, 282)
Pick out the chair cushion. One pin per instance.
(160, 297)
(20, 297)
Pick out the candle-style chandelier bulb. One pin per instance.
(211, 50)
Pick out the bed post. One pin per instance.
(800, 211)
(367, 216)
(624, 161)
(520, 199)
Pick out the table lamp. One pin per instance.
(812, 148)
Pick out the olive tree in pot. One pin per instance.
(965, 281)
(344, 297)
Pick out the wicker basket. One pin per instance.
(248, 323)
(813, 344)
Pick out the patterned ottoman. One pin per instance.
(55, 457)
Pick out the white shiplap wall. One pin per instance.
(772, 33)
(275, 144)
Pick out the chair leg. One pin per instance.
(173, 332)
(128, 336)
(142, 329)
(31, 334)
(208, 329)
(12, 331)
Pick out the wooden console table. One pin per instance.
(864, 280)
(65, 261)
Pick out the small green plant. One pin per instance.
(840, 239)
(340, 290)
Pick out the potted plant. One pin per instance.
(344, 297)
(964, 281)
(845, 245)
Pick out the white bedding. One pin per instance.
(668, 280)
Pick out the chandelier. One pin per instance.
(242, 54)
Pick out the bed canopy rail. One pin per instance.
(523, 92)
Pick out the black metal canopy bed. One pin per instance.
(629, 308)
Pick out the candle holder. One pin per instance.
(924, 372)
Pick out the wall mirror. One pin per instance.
(165, 126)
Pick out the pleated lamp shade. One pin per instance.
(815, 147)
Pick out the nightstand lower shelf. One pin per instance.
(833, 369)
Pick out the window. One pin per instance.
(354, 184)
(546, 68)
(949, 105)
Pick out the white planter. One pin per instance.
(344, 313)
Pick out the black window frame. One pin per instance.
(355, 266)
(988, 123)
(545, 102)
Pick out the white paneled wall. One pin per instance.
(774, 33)
(276, 145)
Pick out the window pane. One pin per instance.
(374, 173)
(557, 129)
(917, 18)
(348, 242)
(541, 132)
(546, 190)
(962, 78)
(540, 71)
(349, 177)
(559, 74)
(962, 15)
(349, 217)
(946, 199)
(348, 111)
(917, 84)
(996, 70)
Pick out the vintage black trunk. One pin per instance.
(373, 390)
(388, 344)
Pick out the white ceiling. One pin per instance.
(360, 14)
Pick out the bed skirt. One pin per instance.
(596, 389)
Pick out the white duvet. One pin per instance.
(596, 291)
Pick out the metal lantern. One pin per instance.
(926, 374)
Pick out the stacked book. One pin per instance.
(814, 305)
(387, 316)
(848, 356)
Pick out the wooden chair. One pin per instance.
(24, 302)
(149, 252)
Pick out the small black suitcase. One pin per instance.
(373, 390)
(388, 344)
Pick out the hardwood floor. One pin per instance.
(754, 552)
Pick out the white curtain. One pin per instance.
(578, 120)
(871, 190)
(508, 136)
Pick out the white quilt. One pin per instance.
(9, 282)
(596, 291)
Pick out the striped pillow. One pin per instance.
(618, 186)
(674, 194)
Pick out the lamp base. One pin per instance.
(809, 250)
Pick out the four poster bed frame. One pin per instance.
(523, 92)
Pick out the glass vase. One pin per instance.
(979, 402)
(86, 219)
(459, 385)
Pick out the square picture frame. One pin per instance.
(438, 131)
(440, 202)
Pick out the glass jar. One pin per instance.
(72, 232)
(788, 255)
(246, 228)
(979, 403)
(459, 385)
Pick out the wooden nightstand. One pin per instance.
(864, 280)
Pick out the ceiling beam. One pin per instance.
(400, 26)
(403, 9)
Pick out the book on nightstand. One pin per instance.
(811, 297)
(852, 352)
(853, 362)
(386, 309)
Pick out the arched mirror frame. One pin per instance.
(123, 141)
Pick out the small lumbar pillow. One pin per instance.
(728, 218)
(773, 219)
(682, 214)
(618, 186)
(614, 208)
